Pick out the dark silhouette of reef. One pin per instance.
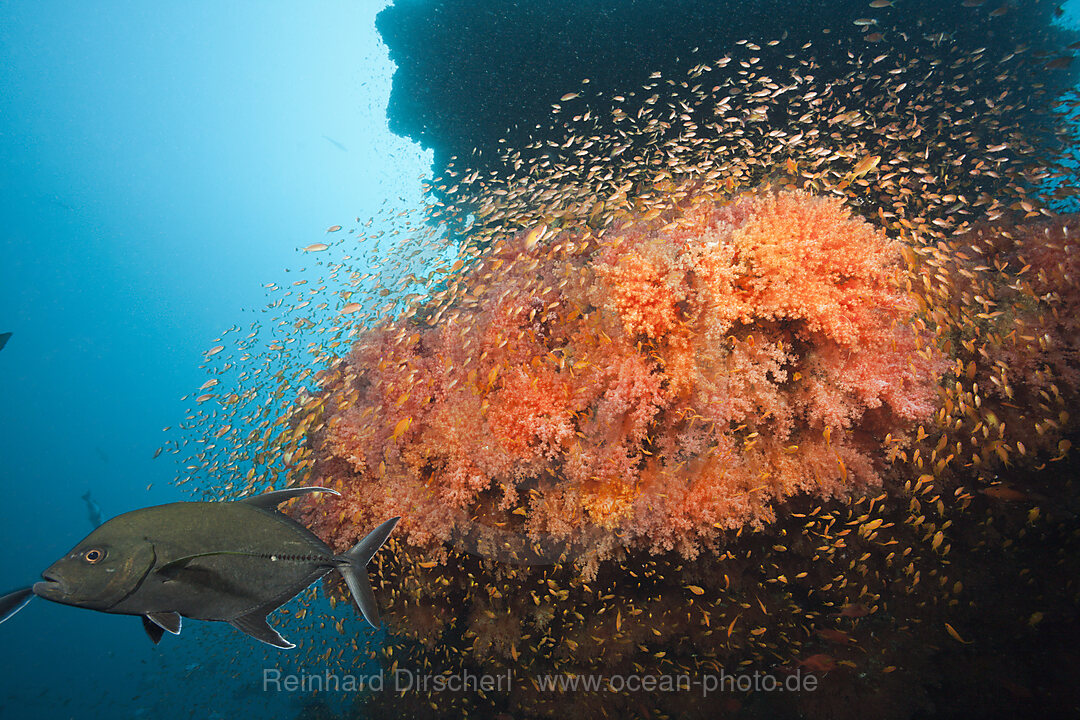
(475, 74)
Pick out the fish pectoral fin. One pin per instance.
(255, 625)
(166, 620)
(14, 601)
(179, 563)
(153, 630)
(270, 500)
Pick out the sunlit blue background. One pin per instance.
(161, 162)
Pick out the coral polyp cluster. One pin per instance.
(648, 386)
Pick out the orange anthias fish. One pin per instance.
(854, 610)
(1006, 493)
(819, 663)
(838, 637)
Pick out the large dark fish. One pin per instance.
(230, 561)
(4, 337)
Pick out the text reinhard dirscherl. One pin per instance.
(404, 680)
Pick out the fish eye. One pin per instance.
(94, 555)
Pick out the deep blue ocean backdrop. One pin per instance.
(160, 163)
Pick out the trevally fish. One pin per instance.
(235, 562)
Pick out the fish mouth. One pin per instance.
(51, 587)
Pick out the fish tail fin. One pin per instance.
(353, 567)
(14, 601)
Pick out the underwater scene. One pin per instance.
(525, 359)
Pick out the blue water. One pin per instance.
(161, 163)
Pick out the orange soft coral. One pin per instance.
(650, 386)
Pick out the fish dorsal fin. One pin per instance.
(166, 620)
(154, 631)
(255, 625)
(270, 500)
